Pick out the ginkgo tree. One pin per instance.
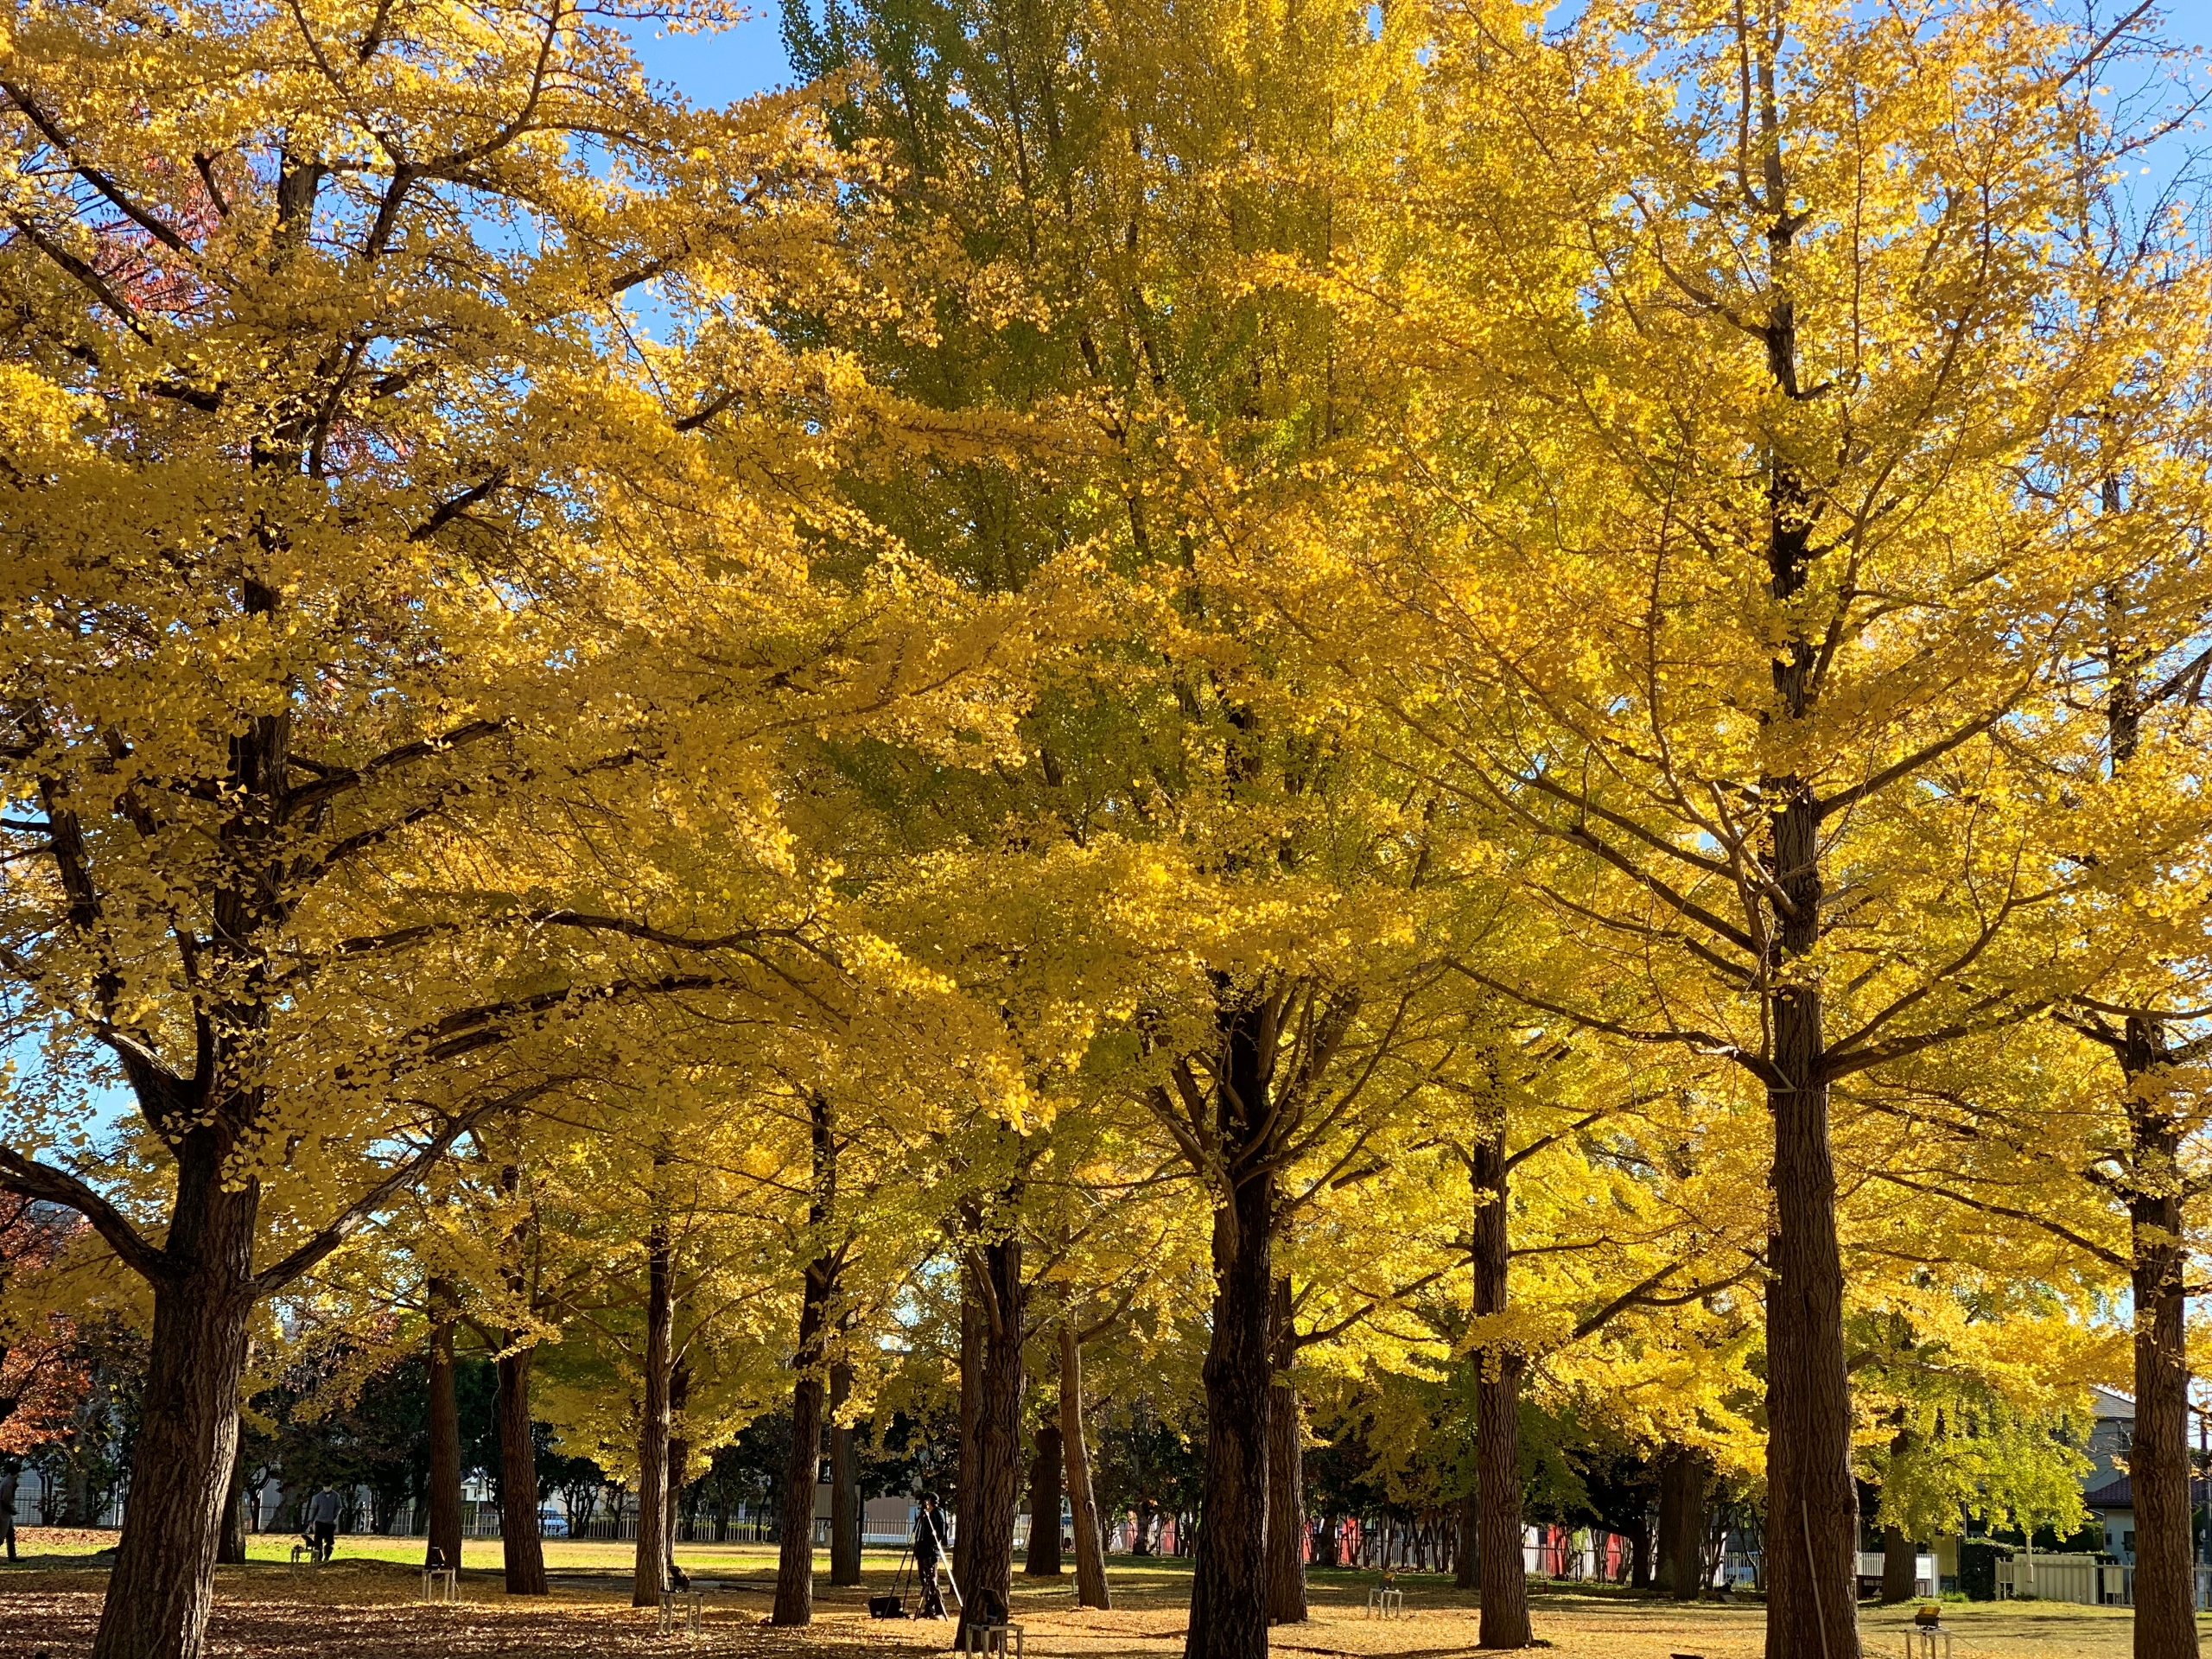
(1708, 557)
(363, 562)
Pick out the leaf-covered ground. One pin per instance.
(365, 1606)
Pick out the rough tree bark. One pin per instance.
(844, 1482)
(444, 1539)
(679, 1449)
(1285, 1473)
(158, 1594)
(1044, 1557)
(649, 1574)
(971, 1407)
(1499, 1565)
(1091, 1589)
(987, 1523)
(2157, 1460)
(1228, 1599)
(519, 1545)
(1682, 1524)
(802, 1467)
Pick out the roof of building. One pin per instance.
(2120, 1494)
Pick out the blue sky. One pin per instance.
(717, 68)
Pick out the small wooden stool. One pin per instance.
(992, 1638)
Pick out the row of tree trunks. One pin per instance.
(1044, 1557)
(844, 1481)
(1090, 1589)
(987, 1518)
(794, 1602)
(1285, 1473)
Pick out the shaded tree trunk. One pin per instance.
(1681, 1524)
(971, 1407)
(1091, 1589)
(158, 1594)
(443, 1530)
(649, 1573)
(1044, 1558)
(987, 1523)
(2157, 1460)
(802, 1464)
(1898, 1564)
(519, 1545)
(1228, 1586)
(802, 1467)
(679, 1450)
(1639, 1554)
(1499, 1565)
(1285, 1473)
(1463, 1559)
(844, 1482)
(230, 1550)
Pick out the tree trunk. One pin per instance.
(159, 1592)
(230, 1549)
(1812, 1537)
(649, 1573)
(988, 1525)
(444, 1541)
(1813, 1502)
(1682, 1524)
(803, 1468)
(844, 1482)
(1228, 1585)
(971, 1406)
(1639, 1554)
(520, 1548)
(1463, 1558)
(1899, 1565)
(1286, 1474)
(1500, 1567)
(1044, 1559)
(2157, 1461)
(1090, 1589)
(679, 1451)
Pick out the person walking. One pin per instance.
(322, 1522)
(931, 1544)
